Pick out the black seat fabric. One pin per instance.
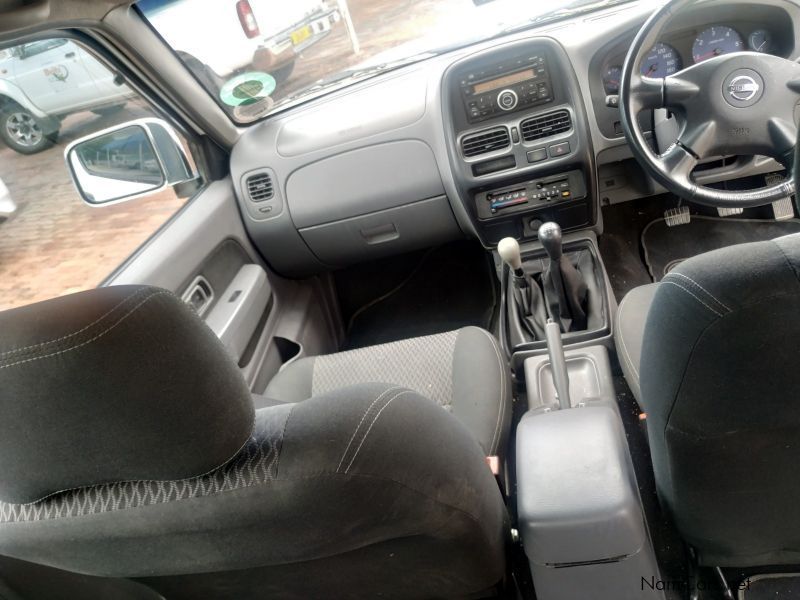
(463, 371)
(629, 333)
(368, 490)
(719, 382)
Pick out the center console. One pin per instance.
(580, 515)
(518, 140)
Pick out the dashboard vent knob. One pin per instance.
(485, 141)
(259, 187)
(544, 126)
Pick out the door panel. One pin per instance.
(282, 320)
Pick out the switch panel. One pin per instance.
(533, 194)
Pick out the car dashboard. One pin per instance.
(487, 141)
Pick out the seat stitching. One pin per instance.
(109, 483)
(98, 336)
(692, 295)
(17, 350)
(786, 259)
(283, 436)
(622, 338)
(350, 464)
(717, 300)
(501, 410)
(364, 416)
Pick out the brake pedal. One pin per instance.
(677, 216)
(729, 212)
(782, 209)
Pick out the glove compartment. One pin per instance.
(371, 202)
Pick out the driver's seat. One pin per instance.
(711, 353)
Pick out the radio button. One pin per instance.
(507, 100)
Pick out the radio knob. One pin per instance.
(507, 100)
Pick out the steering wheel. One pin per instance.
(743, 103)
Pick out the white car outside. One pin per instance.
(41, 82)
(264, 34)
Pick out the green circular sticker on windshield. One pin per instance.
(247, 88)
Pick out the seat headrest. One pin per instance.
(114, 384)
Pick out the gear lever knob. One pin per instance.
(508, 249)
(550, 238)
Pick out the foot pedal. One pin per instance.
(782, 209)
(729, 212)
(677, 216)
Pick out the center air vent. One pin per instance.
(259, 187)
(485, 141)
(537, 128)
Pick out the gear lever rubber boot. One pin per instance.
(526, 306)
(564, 288)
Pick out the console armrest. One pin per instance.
(580, 514)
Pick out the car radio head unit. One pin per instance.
(506, 87)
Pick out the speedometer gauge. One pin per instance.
(661, 61)
(716, 41)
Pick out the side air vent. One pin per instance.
(259, 187)
(537, 128)
(485, 141)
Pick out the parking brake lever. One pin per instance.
(558, 363)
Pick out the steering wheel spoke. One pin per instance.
(783, 137)
(678, 91)
(678, 163)
(699, 138)
(646, 92)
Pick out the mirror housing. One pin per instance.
(127, 161)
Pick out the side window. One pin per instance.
(53, 92)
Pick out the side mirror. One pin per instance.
(127, 161)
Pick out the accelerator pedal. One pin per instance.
(782, 209)
(729, 212)
(677, 216)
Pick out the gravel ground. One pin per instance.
(55, 244)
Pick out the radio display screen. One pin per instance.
(503, 81)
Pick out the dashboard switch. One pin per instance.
(561, 149)
(537, 155)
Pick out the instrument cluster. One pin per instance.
(665, 58)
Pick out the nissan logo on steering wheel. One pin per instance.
(743, 88)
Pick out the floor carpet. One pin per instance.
(421, 293)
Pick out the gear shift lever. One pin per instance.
(550, 238)
(508, 249)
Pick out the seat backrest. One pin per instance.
(130, 449)
(720, 382)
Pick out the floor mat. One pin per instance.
(666, 247)
(421, 293)
(619, 244)
(775, 586)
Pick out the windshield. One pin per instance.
(257, 56)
